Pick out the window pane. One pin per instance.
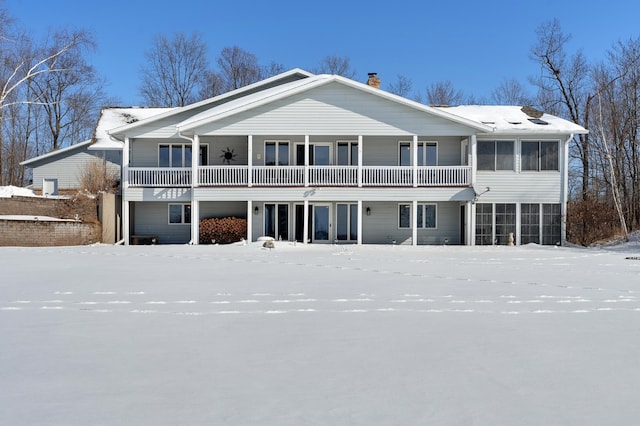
(269, 154)
(484, 226)
(176, 155)
(299, 155)
(505, 222)
(432, 154)
(529, 155)
(354, 154)
(486, 155)
(404, 216)
(420, 216)
(549, 156)
(187, 155)
(343, 222)
(270, 220)
(343, 154)
(204, 155)
(321, 155)
(405, 154)
(283, 222)
(353, 224)
(163, 156)
(551, 224)
(283, 154)
(175, 213)
(529, 223)
(504, 155)
(421, 154)
(187, 213)
(430, 216)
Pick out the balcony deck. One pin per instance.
(278, 176)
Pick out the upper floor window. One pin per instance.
(276, 153)
(540, 155)
(179, 155)
(495, 155)
(427, 153)
(347, 153)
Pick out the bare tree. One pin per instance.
(337, 65)
(21, 64)
(213, 85)
(401, 87)
(510, 92)
(175, 70)
(443, 93)
(564, 88)
(238, 68)
(70, 99)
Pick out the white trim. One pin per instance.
(56, 153)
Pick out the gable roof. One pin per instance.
(262, 85)
(273, 94)
(31, 162)
(508, 120)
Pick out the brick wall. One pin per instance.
(63, 208)
(31, 233)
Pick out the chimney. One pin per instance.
(373, 81)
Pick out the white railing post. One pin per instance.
(195, 161)
(359, 163)
(250, 162)
(306, 161)
(414, 153)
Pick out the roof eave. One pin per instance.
(55, 153)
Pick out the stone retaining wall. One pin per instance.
(39, 233)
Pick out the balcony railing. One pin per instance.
(372, 176)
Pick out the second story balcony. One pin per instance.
(302, 176)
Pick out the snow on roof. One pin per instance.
(222, 98)
(9, 191)
(117, 117)
(507, 119)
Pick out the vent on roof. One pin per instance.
(488, 122)
(538, 121)
(515, 122)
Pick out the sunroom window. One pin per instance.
(495, 155)
(540, 156)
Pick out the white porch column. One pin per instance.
(564, 194)
(473, 158)
(250, 219)
(359, 222)
(414, 153)
(195, 221)
(305, 231)
(414, 223)
(359, 167)
(126, 237)
(250, 165)
(195, 162)
(306, 164)
(472, 224)
(125, 186)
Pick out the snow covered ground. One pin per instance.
(320, 335)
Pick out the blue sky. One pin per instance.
(475, 44)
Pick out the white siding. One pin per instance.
(538, 187)
(153, 219)
(335, 109)
(68, 168)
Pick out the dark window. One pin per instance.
(505, 222)
(484, 224)
(540, 156)
(495, 155)
(529, 223)
(551, 224)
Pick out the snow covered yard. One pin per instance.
(321, 335)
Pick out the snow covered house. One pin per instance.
(325, 159)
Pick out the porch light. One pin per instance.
(368, 211)
(256, 210)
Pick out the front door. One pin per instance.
(321, 223)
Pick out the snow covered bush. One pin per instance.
(222, 230)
